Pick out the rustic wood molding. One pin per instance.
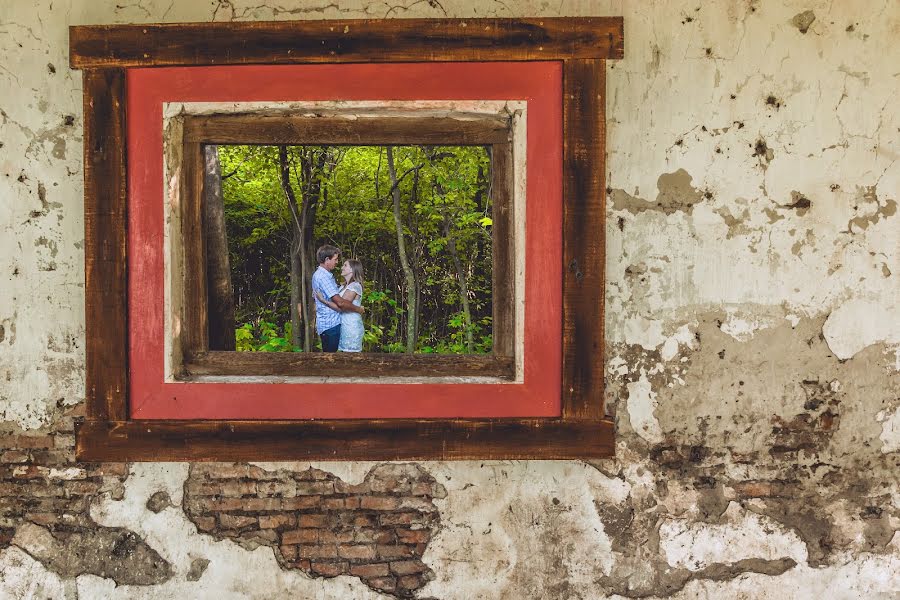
(344, 439)
(582, 44)
(345, 41)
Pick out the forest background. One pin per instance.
(417, 217)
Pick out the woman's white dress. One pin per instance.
(351, 323)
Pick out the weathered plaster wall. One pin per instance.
(753, 353)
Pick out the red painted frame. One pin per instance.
(539, 83)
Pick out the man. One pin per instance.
(328, 321)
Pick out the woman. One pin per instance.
(351, 323)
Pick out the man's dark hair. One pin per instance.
(326, 252)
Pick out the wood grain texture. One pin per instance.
(194, 329)
(396, 439)
(584, 237)
(348, 364)
(343, 41)
(105, 262)
(369, 131)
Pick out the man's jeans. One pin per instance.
(330, 339)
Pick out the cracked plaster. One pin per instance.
(736, 279)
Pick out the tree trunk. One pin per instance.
(463, 288)
(218, 266)
(411, 310)
(296, 257)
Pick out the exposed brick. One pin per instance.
(14, 456)
(379, 536)
(254, 504)
(313, 521)
(266, 536)
(222, 471)
(288, 552)
(108, 469)
(205, 523)
(63, 441)
(329, 568)
(409, 582)
(315, 551)
(335, 537)
(29, 441)
(384, 584)
(370, 570)
(225, 504)
(395, 551)
(340, 503)
(236, 521)
(408, 567)
(379, 503)
(363, 521)
(356, 551)
(301, 502)
(300, 536)
(404, 518)
(276, 521)
(307, 488)
(279, 488)
(414, 536)
(419, 504)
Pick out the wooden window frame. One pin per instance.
(582, 45)
(200, 361)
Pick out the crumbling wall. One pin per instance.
(753, 351)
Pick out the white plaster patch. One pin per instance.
(890, 430)
(641, 406)
(647, 333)
(858, 323)
(743, 328)
(519, 528)
(681, 337)
(23, 578)
(740, 536)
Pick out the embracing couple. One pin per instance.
(338, 309)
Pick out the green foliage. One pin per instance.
(444, 194)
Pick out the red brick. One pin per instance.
(225, 504)
(409, 582)
(276, 521)
(312, 474)
(414, 536)
(43, 518)
(29, 441)
(357, 551)
(301, 502)
(81, 487)
(14, 456)
(222, 471)
(109, 469)
(364, 521)
(288, 552)
(63, 441)
(340, 503)
(310, 551)
(236, 521)
(385, 584)
(300, 536)
(205, 523)
(279, 488)
(335, 537)
(329, 568)
(236, 489)
(408, 567)
(309, 488)
(313, 521)
(370, 570)
(395, 551)
(254, 504)
(379, 503)
(404, 518)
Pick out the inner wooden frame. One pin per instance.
(104, 53)
(219, 129)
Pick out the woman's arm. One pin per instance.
(328, 302)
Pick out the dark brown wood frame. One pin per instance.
(200, 360)
(104, 52)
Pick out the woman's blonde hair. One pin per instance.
(357, 269)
